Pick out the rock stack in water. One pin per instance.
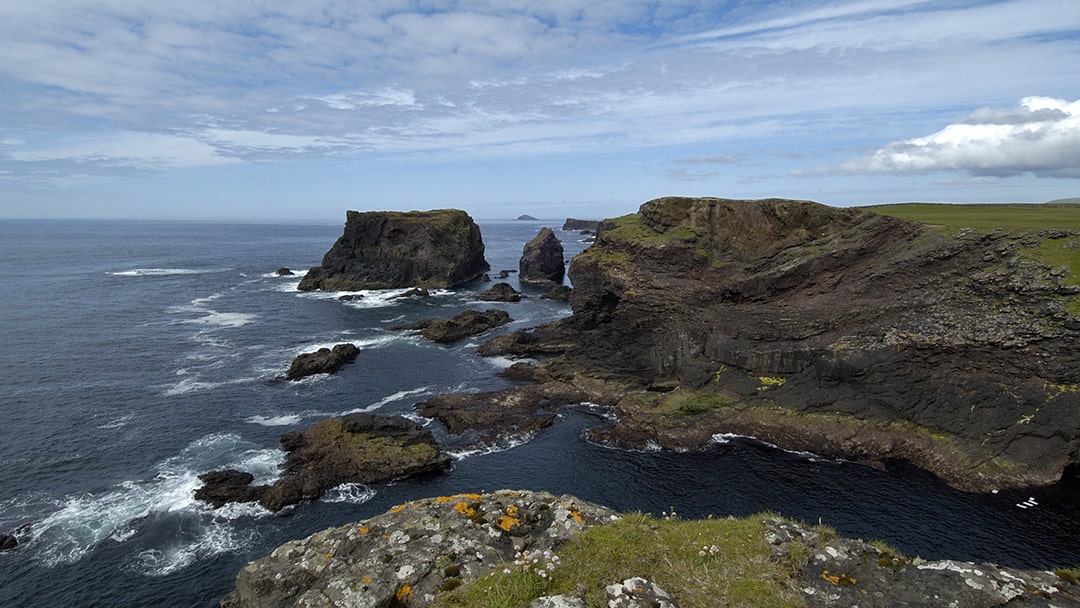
(542, 260)
(393, 249)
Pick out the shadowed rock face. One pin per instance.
(837, 331)
(391, 249)
(464, 324)
(322, 361)
(542, 259)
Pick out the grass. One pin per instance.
(701, 563)
(987, 217)
(630, 229)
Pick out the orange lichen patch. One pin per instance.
(366, 579)
(841, 580)
(512, 510)
(576, 515)
(403, 594)
(507, 523)
(446, 499)
(464, 508)
(398, 508)
(329, 556)
(363, 530)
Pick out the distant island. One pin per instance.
(526, 218)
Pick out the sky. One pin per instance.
(261, 110)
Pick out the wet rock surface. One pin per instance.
(393, 249)
(322, 361)
(500, 292)
(409, 554)
(356, 448)
(464, 324)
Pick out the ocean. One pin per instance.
(137, 355)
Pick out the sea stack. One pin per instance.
(542, 259)
(391, 249)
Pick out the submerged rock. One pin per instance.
(542, 259)
(392, 249)
(464, 324)
(356, 448)
(284, 272)
(8, 542)
(410, 554)
(322, 361)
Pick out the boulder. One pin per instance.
(500, 292)
(356, 448)
(542, 259)
(558, 293)
(411, 553)
(284, 272)
(322, 361)
(464, 324)
(8, 542)
(391, 249)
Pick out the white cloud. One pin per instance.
(122, 149)
(1041, 137)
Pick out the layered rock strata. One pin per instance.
(392, 249)
(837, 331)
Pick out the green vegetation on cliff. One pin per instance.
(986, 216)
(703, 563)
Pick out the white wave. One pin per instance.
(116, 422)
(296, 275)
(155, 272)
(726, 438)
(285, 420)
(194, 385)
(353, 493)
(501, 445)
(223, 319)
(199, 302)
(213, 539)
(398, 396)
(505, 362)
(81, 522)
(371, 298)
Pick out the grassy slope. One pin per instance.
(987, 216)
(703, 563)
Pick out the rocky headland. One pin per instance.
(430, 551)
(837, 331)
(393, 249)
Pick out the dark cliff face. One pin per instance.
(952, 351)
(390, 249)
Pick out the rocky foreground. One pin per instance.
(836, 331)
(419, 552)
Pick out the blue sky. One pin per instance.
(266, 110)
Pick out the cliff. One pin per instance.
(837, 331)
(392, 249)
(520, 548)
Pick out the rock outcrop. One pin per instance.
(413, 552)
(464, 324)
(416, 551)
(356, 448)
(322, 361)
(500, 292)
(579, 225)
(837, 331)
(542, 259)
(391, 249)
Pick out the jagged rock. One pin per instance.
(8, 542)
(837, 331)
(322, 361)
(580, 225)
(464, 324)
(638, 593)
(356, 448)
(542, 259)
(391, 249)
(500, 292)
(558, 293)
(847, 572)
(284, 272)
(349, 297)
(409, 554)
(415, 292)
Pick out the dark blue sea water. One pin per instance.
(137, 355)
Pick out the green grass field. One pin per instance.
(987, 216)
